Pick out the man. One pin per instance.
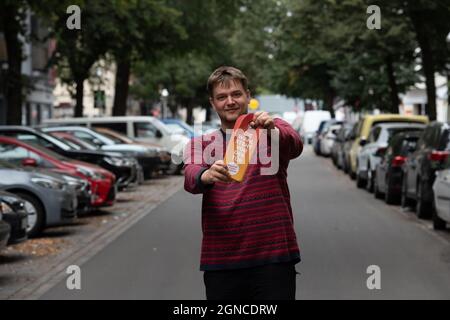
(249, 248)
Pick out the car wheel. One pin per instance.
(438, 223)
(360, 182)
(389, 196)
(370, 180)
(36, 214)
(376, 190)
(405, 201)
(422, 208)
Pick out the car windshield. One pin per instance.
(59, 143)
(176, 128)
(390, 132)
(116, 139)
(78, 144)
(40, 139)
(50, 153)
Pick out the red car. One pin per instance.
(102, 181)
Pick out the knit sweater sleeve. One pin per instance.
(194, 166)
(290, 142)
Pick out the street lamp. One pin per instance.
(164, 96)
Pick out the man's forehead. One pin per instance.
(228, 86)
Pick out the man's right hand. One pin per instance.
(218, 172)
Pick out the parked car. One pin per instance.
(146, 156)
(5, 230)
(48, 199)
(123, 168)
(86, 200)
(328, 138)
(14, 213)
(373, 148)
(337, 151)
(441, 191)
(317, 136)
(420, 168)
(180, 126)
(99, 189)
(310, 123)
(349, 140)
(140, 128)
(365, 124)
(389, 172)
(78, 144)
(165, 157)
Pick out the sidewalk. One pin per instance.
(29, 269)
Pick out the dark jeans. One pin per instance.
(269, 282)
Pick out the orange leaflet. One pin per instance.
(241, 147)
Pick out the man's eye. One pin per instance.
(220, 98)
(237, 94)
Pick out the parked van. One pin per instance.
(311, 122)
(140, 128)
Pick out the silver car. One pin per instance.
(441, 190)
(48, 198)
(374, 147)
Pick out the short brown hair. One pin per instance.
(223, 75)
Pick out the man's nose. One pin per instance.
(230, 100)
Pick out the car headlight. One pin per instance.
(48, 183)
(114, 161)
(5, 208)
(128, 162)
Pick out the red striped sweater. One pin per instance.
(250, 223)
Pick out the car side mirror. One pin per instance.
(29, 162)
(158, 134)
(362, 142)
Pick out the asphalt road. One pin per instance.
(341, 232)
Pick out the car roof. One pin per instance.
(11, 128)
(100, 119)
(56, 128)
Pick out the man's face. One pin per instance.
(230, 100)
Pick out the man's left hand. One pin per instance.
(263, 120)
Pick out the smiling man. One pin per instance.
(249, 247)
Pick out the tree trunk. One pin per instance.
(330, 95)
(422, 35)
(190, 112)
(122, 87)
(395, 101)
(79, 97)
(13, 85)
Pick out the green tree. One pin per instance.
(184, 69)
(148, 30)
(12, 24)
(78, 50)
